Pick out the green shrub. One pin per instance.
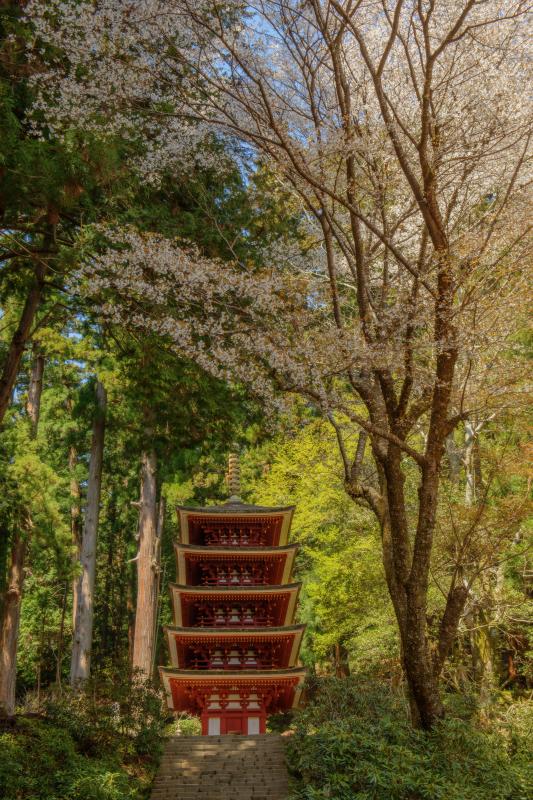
(184, 725)
(102, 743)
(354, 742)
(112, 715)
(39, 761)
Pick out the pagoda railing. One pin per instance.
(236, 537)
(233, 658)
(217, 573)
(231, 615)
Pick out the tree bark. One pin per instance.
(453, 455)
(161, 511)
(33, 404)
(20, 337)
(4, 551)
(83, 631)
(472, 463)
(147, 568)
(61, 635)
(341, 663)
(75, 519)
(12, 599)
(10, 627)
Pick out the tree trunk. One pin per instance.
(341, 663)
(108, 588)
(453, 455)
(147, 568)
(12, 599)
(418, 666)
(33, 404)
(4, 550)
(407, 578)
(75, 519)
(20, 337)
(83, 630)
(61, 635)
(424, 695)
(472, 463)
(10, 627)
(470, 443)
(157, 566)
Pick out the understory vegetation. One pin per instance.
(353, 741)
(101, 744)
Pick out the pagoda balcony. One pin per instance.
(234, 567)
(236, 537)
(247, 526)
(211, 607)
(237, 658)
(247, 649)
(230, 573)
(230, 616)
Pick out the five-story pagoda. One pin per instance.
(234, 647)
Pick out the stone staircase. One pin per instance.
(222, 768)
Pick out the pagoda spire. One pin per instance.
(234, 478)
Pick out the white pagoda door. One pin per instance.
(213, 726)
(253, 726)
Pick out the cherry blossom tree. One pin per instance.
(403, 131)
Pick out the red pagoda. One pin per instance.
(234, 647)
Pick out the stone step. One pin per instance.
(216, 793)
(222, 768)
(220, 774)
(265, 777)
(190, 777)
(220, 747)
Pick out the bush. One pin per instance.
(112, 715)
(99, 744)
(184, 725)
(354, 742)
(39, 761)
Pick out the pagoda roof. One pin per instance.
(283, 556)
(245, 591)
(201, 633)
(218, 676)
(181, 593)
(235, 508)
(290, 634)
(245, 552)
(278, 517)
(290, 680)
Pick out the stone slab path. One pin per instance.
(222, 768)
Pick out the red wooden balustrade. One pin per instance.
(240, 573)
(233, 657)
(233, 615)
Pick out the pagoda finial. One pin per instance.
(234, 478)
